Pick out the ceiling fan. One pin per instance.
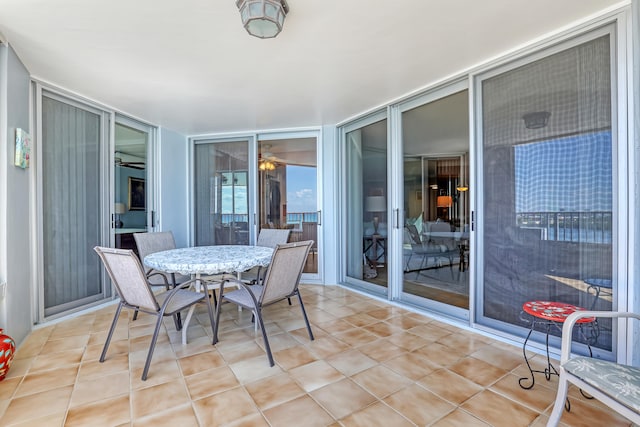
(267, 161)
(133, 165)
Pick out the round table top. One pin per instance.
(210, 259)
(554, 311)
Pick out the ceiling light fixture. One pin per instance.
(536, 120)
(263, 18)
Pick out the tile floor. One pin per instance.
(371, 364)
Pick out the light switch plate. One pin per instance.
(3, 289)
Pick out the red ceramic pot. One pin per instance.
(7, 351)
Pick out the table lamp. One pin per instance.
(119, 210)
(375, 204)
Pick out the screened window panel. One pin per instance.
(548, 213)
(71, 205)
(221, 193)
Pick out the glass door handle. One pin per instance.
(320, 217)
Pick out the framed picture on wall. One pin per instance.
(137, 194)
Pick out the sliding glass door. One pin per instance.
(548, 217)
(73, 153)
(288, 191)
(366, 228)
(221, 193)
(436, 229)
(133, 182)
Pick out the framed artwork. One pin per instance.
(23, 149)
(137, 194)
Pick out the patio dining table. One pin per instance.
(208, 260)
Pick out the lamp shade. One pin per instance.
(263, 18)
(119, 208)
(444, 201)
(375, 204)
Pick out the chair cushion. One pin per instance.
(621, 382)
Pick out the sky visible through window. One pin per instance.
(301, 192)
(571, 174)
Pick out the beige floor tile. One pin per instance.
(117, 347)
(279, 342)
(440, 354)
(376, 415)
(8, 386)
(498, 411)
(200, 362)
(293, 357)
(159, 372)
(381, 350)
(360, 319)
(381, 381)
(404, 322)
(450, 386)
(55, 346)
(351, 362)
(254, 369)
(149, 400)
(253, 420)
(238, 353)
(498, 357)
(326, 346)
(356, 337)
(430, 332)
(339, 325)
(302, 411)
(110, 412)
(419, 404)
(53, 401)
(181, 415)
(583, 414)
(412, 366)
(63, 359)
(225, 407)
(316, 374)
(19, 367)
(408, 341)
(478, 371)
(459, 418)
(211, 382)
(465, 343)
(382, 329)
(46, 380)
(274, 390)
(100, 388)
(111, 365)
(51, 420)
(538, 398)
(343, 398)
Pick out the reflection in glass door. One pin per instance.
(288, 194)
(549, 216)
(366, 205)
(221, 193)
(132, 187)
(435, 249)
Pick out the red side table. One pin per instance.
(549, 314)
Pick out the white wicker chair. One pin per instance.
(614, 384)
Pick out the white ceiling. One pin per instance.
(189, 65)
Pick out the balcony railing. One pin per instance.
(296, 218)
(579, 227)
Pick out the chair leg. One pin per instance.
(210, 309)
(113, 327)
(152, 347)
(558, 406)
(217, 320)
(258, 314)
(304, 314)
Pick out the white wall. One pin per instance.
(173, 155)
(15, 238)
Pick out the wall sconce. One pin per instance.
(462, 188)
(536, 120)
